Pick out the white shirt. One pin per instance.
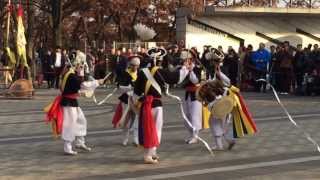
(58, 60)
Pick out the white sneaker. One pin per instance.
(188, 139)
(83, 147)
(193, 141)
(71, 153)
(150, 160)
(155, 157)
(136, 141)
(216, 148)
(125, 142)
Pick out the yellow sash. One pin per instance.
(62, 86)
(134, 75)
(205, 117)
(240, 119)
(148, 84)
(65, 78)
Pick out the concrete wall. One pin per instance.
(196, 37)
(276, 23)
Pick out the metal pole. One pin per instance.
(8, 23)
(85, 46)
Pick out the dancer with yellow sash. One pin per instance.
(227, 107)
(64, 113)
(126, 83)
(150, 85)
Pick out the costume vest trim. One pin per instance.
(150, 80)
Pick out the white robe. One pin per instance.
(74, 121)
(193, 109)
(218, 125)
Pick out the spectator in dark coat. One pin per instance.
(121, 64)
(299, 68)
(59, 63)
(286, 69)
(231, 65)
(48, 69)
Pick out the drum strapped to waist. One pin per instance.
(222, 107)
(192, 88)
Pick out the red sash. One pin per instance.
(192, 88)
(150, 136)
(117, 115)
(246, 112)
(55, 113)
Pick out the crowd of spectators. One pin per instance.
(294, 70)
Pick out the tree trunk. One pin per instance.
(56, 16)
(132, 34)
(30, 38)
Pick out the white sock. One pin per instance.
(219, 142)
(67, 146)
(80, 141)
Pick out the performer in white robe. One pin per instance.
(220, 126)
(227, 108)
(65, 114)
(126, 84)
(150, 85)
(192, 107)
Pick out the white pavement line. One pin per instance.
(286, 117)
(50, 136)
(227, 168)
(165, 127)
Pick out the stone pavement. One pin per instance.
(29, 152)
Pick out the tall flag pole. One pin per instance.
(21, 42)
(8, 22)
(11, 55)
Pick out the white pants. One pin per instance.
(74, 123)
(220, 129)
(158, 117)
(131, 125)
(79, 141)
(193, 110)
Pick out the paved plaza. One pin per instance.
(277, 151)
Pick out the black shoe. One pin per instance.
(231, 144)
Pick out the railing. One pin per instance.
(133, 45)
(300, 31)
(264, 3)
(214, 30)
(273, 40)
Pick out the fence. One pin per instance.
(134, 45)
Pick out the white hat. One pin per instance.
(215, 55)
(185, 55)
(135, 61)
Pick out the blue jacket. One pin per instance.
(261, 58)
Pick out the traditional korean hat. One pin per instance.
(157, 53)
(135, 60)
(215, 55)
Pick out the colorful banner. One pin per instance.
(21, 39)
